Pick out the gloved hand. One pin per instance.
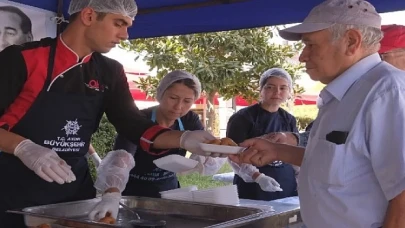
(110, 202)
(95, 158)
(44, 162)
(244, 171)
(268, 184)
(113, 171)
(210, 165)
(190, 141)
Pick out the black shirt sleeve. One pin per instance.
(238, 128)
(13, 74)
(122, 112)
(121, 143)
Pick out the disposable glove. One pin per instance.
(113, 171)
(268, 184)
(244, 171)
(190, 141)
(110, 202)
(95, 158)
(44, 162)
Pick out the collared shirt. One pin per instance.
(350, 184)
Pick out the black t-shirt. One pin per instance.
(254, 121)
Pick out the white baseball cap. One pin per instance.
(331, 12)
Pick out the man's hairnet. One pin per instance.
(275, 72)
(126, 8)
(173, 77)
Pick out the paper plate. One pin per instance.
(221, 148)
(175, 163)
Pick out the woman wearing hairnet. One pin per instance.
(176, 93)
(259, 120)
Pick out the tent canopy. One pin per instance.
(174, 17)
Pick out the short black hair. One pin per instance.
(26, 24)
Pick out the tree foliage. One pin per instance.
(227, 63)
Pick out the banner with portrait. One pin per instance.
(22, 23)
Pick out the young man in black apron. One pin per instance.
(52, 96)
(261, 119)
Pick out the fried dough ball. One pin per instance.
(215, 142)
(228, 142)
(108, 219)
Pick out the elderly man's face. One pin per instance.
(324, 58)
(395, 57)
(10, 30)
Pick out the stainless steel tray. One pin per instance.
(177, 214)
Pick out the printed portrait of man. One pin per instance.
(15, 27)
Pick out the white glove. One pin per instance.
(211, 165)
(190, 141)
(207, 166)
(113, 171)
(244, 171)
(110, 202)
(44, 162)
(95, 158)
(268, 184)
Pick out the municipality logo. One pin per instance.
(71, 127)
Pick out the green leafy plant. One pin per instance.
(227, 63)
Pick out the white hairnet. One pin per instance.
(113, 172)
(126, 8)
(275, 72)
(174, 76)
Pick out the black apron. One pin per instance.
(283, 173)
(65, 123)
(146, 179)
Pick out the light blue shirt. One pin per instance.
(349, 185)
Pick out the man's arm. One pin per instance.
(262, 152)
(395, 216)
(9, 141)
(386, 144)
(13, 75)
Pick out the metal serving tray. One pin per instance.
(177, 214)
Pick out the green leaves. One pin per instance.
(229, 63)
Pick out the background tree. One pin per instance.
(227, 63)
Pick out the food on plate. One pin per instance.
(223, 141)
(228, 142)
(108, 219)
(215, 142)
(44, 226)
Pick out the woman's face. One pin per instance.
(177, 101)
(275, 91)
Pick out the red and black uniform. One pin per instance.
(55, 99)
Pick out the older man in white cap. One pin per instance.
(353, 169)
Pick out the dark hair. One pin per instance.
(26, 25)
(100, 16)
(187, 82)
